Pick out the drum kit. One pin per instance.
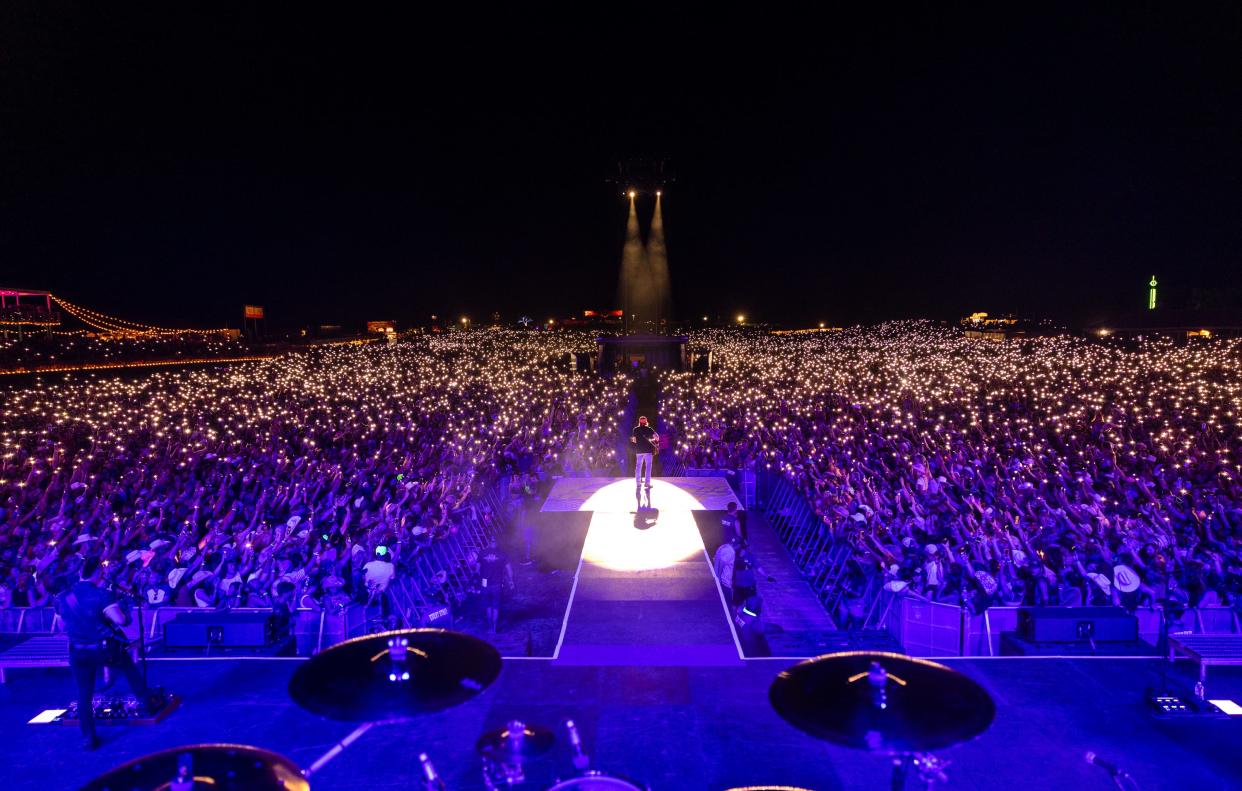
(882, 703)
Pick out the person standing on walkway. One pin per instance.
(495, 575)
(646, 444)
(730, 525)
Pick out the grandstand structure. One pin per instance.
(33, 315)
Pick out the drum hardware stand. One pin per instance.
(399, 673)
(929, 768)
(511, 772)
(505, 752)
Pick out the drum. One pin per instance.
(597, 781)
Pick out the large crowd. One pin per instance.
(277, 482)
(1046, 470)
(40, 350)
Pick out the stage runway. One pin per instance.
(644, 592)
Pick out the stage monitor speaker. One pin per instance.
(223, 629)
(1012, 644)
(1076, 624)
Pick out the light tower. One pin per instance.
(1151, 294)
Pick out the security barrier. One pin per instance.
(442, 570)
(926, 628)
(819, 556)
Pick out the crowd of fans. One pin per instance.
(279, 482)
(40, 349)
(1050, 470)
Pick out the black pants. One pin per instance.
(743, 592)
(85, 662)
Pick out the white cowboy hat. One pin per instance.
(1125, 578)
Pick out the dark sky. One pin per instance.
(169, 162)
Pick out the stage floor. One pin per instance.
(645, 593)
(617, 494)
(675, 728)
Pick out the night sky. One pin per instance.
(168, 162)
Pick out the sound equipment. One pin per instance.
(1013, 644)
(1076, 624)
(221, 629)
(701, 361)
(122, 710)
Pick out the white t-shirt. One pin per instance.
(378, 573)
(724, 564)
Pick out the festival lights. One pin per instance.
(102, 321)
(1138, 435)
(339, 421)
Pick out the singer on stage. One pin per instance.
(646, 444)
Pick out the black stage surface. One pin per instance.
(674, 728)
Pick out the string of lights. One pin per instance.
(47, 369)
(103, 321)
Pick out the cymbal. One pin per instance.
(882, 702)
(395, 675)
(219, 767)
(515, 740)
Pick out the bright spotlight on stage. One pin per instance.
(632, 193)
(668, 534)
(666, 539)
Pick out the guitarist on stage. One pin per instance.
(92, 620)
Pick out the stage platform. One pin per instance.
(617, 494)
(644, 592)
(674, 728)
